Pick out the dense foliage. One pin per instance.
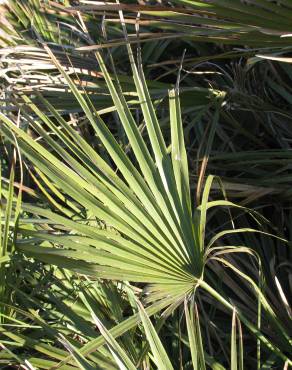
(145, 184)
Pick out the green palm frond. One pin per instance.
(257, 24)
(144, 202)
(118, 205)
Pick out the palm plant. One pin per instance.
(144, 227)
(122, 205)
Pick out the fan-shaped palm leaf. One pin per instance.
(150, 235)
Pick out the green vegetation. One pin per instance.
(145, 185)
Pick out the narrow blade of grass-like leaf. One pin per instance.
(233, 349)
(160, 356)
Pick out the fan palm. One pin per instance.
(152, 233)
